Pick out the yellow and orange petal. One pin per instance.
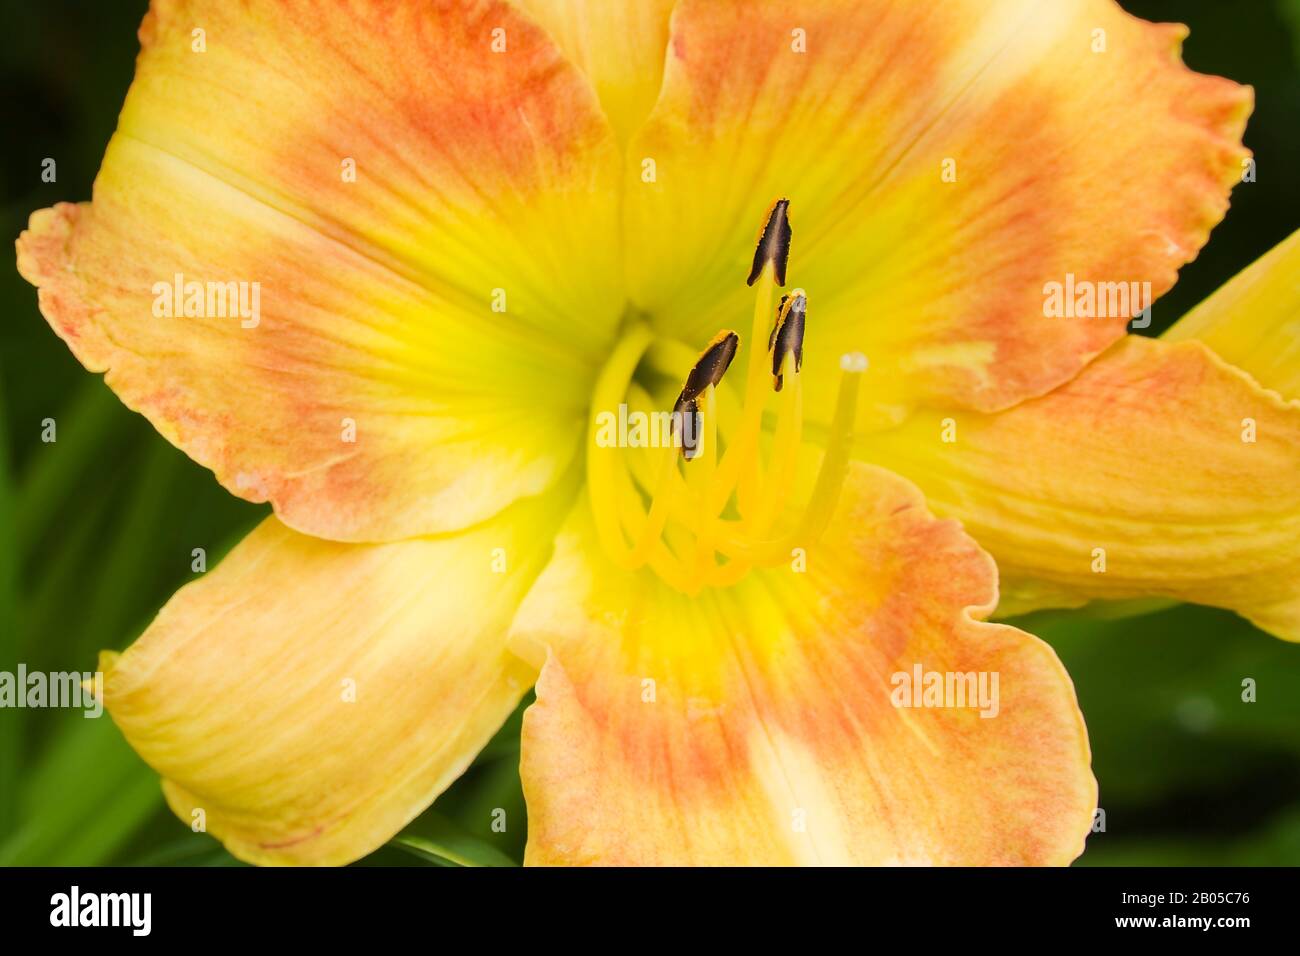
(755, 725)
(305, 699)
(1161, 471)
(619, 44)
(423, 194)
(1253, 321)
(945, 163)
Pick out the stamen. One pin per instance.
(712, 363)
(773, 244)
(704, 375)
(698, 432)
(787, 334)
(740, 470)
(682, 519)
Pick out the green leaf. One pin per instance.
(1276, 844)
(1290, 10)
(505, 742)
(1162, 697)
(87, 425)
(1184, 763)
(123, 570)
(10, 719)
(85, 797)
(193, 849)
(434, 838)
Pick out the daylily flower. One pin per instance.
(476, 226)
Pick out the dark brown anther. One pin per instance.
(712, 364)
(707, 370)
(773, 244)
(787, 334)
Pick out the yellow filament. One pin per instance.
(826, 491)
(663, 496)
(707, 470)
(606, 470)
(739, 468)
(785, 455)
(682, 534)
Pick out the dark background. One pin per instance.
(96, 530)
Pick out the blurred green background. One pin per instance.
(96, 529)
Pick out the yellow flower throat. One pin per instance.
(697, 517)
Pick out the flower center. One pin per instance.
(715, 501)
